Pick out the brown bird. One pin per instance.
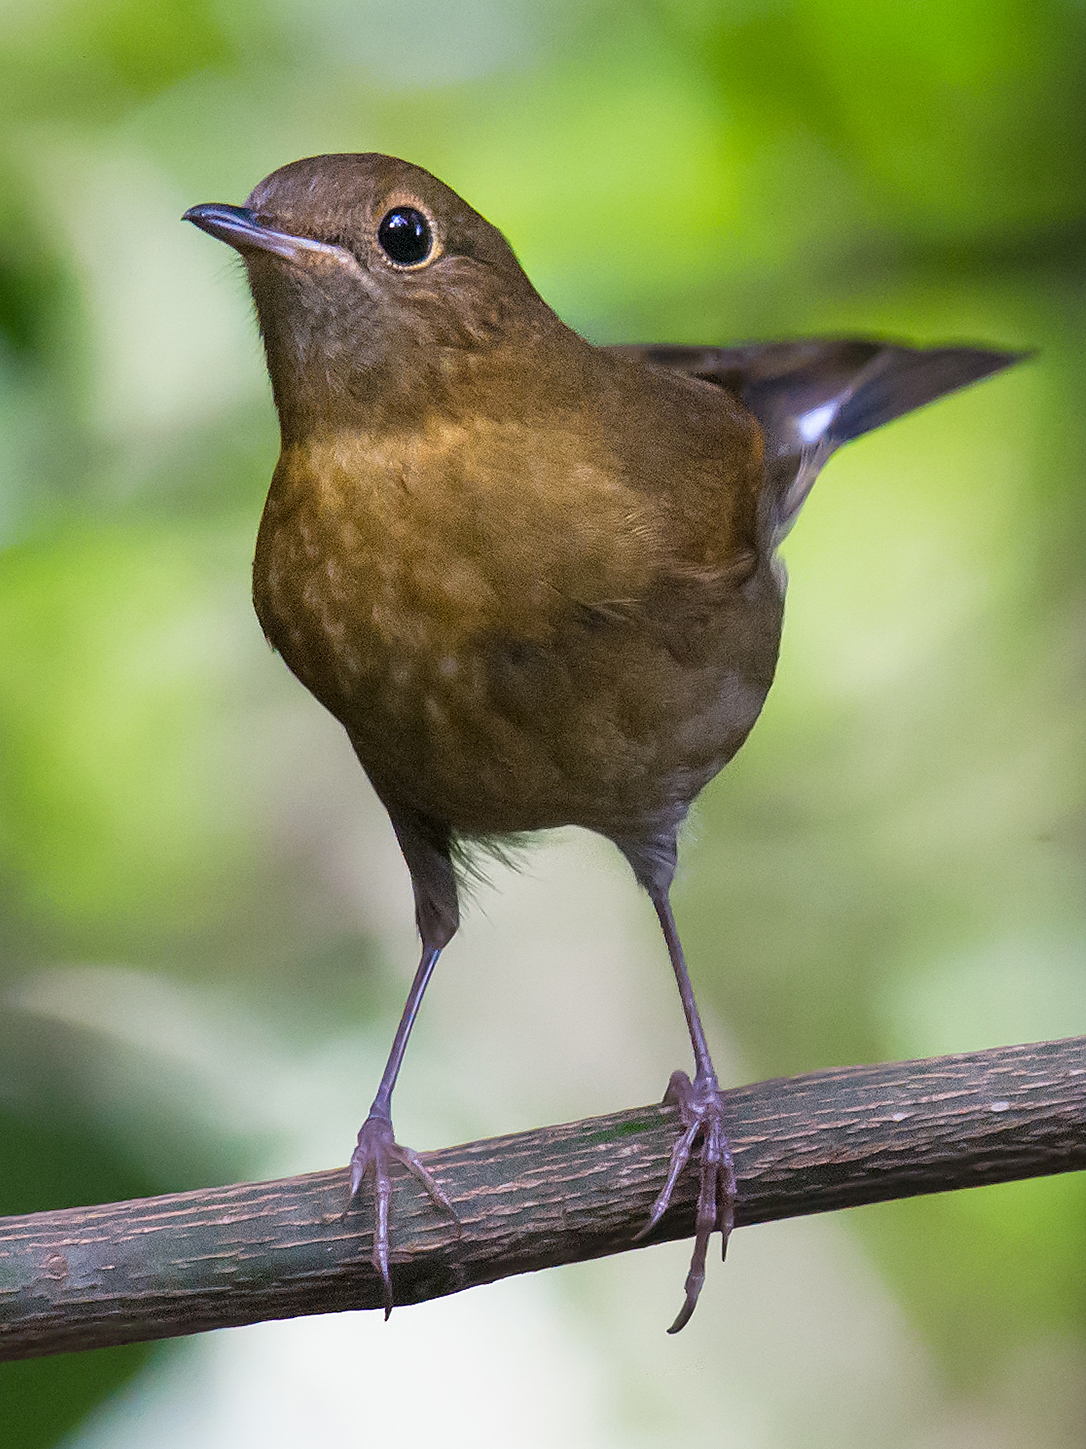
(533, 578)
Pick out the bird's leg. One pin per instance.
(425, 847)
(377, 1145)
(701, 1112)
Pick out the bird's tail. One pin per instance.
(812, 396)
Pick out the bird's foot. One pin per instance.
(377, 1147)
(701, 1111)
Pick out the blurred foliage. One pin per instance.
(893, 865)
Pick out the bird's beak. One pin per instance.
(238, 227)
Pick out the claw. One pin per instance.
(377, 1147)
(680, 1156)
(701, 1112)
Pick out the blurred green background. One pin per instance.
(206, 927)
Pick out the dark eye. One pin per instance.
(405, 236)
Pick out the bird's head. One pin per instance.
(375, 285)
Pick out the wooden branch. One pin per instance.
(192, 1261)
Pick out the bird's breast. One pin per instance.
(476, 631)
(380, 556)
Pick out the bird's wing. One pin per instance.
(811, 396)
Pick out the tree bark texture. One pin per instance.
(187, 1262)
